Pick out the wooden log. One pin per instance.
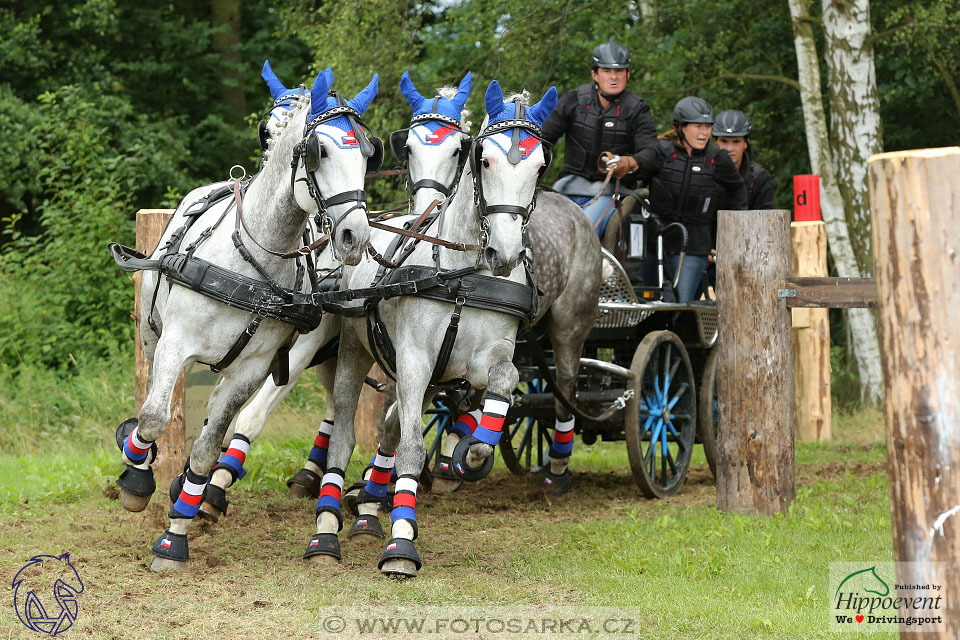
(832, 293)
(914, 196)
(755, 460)
(811, 339)
(171, 452)
(368, 413)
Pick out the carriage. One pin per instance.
(647, 376)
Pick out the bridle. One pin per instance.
(307, 153)
(398, 144)
(515, 155)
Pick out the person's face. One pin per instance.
(696, 134)
(612, 82)
(735, 146)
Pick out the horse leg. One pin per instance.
(324, 546)
(136, 436)
(400, 558)
(473, 455)
(445, 480)
(568, 345)
(306, 482)
(234, 389)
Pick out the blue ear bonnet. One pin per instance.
(277, 90)
(499, 111)
(450, 108)
(321, 101)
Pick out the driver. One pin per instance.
(603, 116)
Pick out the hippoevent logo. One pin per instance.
(45, 594)
(869, 597)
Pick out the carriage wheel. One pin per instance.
(525, 442)
(440, 418)
(708, 413)
(661, 417)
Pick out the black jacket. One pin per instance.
(759, 184)
(690, 189)
(626, 127)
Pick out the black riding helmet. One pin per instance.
(610, 55)
(731, 124)
(692, 109)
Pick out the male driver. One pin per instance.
(603, 116)
(731, 130)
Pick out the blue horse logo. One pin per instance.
(43, 575)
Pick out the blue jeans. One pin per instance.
(595, 210)
(691, 276)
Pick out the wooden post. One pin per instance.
(171, 452)
(811, 338)
(755, 461)
(916, 239)
(368, 412)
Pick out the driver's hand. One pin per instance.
(625, 165)
(612, 162)
(712, 258)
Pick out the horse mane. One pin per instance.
(523, 96)
(295, 115)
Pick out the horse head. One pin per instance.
(435, 146)
(284, 102)
(508, 161)
(329, 164)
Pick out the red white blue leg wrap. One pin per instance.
(405, 502)
(562, 445)
(331, 487)
(233, 458)
(191, 495)
(136, 449)
(383, 470)
(466, 424)
(318, 454)
(491, 421)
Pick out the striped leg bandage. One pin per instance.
(136, 449)
(562, 445)
(405, 502)
(466, 424)
(491, 421)
(318, 454)
(191, 495)
(330, 489)
(233, 458)
(383, 469)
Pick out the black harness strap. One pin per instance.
(238, 346)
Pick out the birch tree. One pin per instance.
(863, 329)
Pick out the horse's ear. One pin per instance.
(493, 100)
(409, 91)
(318, 94)
(363, 99)
(539, 112)
(65, 556)
(273, 83)
(463, 91)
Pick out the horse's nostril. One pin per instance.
(347, 240)
(492, 258)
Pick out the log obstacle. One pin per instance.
(755, 457)
(171, 449)
(914, 197)
(811, 338)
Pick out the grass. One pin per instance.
(679, 566)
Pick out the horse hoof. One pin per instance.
(209, 513)
(166, 564)
(459, 461)
(326, 560)
(323, 548)
(298, 491)
(366, 528)
(445, 485)
(557, 484)
(399, 569)
(133, 503)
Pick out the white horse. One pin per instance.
(245, 237)
(508, 161)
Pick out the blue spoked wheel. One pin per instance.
(709, 411)
(525, 443)
(439, 418)
(661, 418)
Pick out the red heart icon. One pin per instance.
(860, 618)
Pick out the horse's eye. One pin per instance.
(486, 163)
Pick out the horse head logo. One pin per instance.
(41, 576)
(866, 580)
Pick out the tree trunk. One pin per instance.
(225, 17)
(865, 346)
(914, 196)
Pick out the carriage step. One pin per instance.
(609, 367)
